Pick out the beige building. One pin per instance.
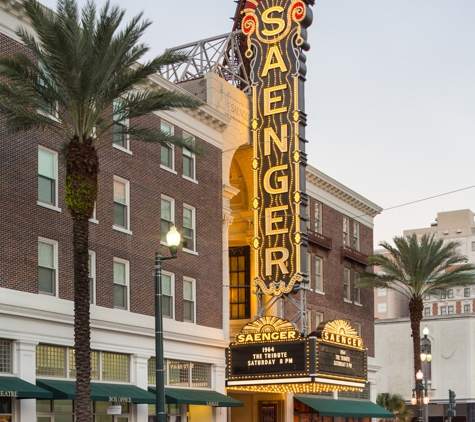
(452, 344)
(452, 226)
(389, 303)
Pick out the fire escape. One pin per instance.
(223, 55)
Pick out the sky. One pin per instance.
(390, 96)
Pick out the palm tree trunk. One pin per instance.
(416, 307)
(82, 329)
(82, 168)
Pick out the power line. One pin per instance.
(426, 199)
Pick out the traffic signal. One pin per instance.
(452, 399)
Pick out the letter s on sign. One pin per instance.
(267, 19)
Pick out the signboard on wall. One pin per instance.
(270, 351)
(340, 352)
(276, 38)
(269, 347)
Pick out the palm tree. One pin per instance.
(415, 269)
(394, 403)
(78, 63)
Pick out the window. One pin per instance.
(152, 370)
(58, 361)
(427, 296)
(357, 290)
(188, 160)
(189, 228)
(240, 282)
(426, 311)
(186, 374)
(188, 164)
(121, 124)
(318, 274)
(356, 235)
(93, 219)
(346, 231)
(346, 283)
(168, 293)
(473, 230)
(95, 356)
(443, 310)
(466, 292)
(188, 300)
(47, 177)
(307, 217)
(317, 212)
(92, 276)
(451, 293)
(51, 361)
(382, 308)
(318, 319)
(47, 108)
(167, 157)
(200, 375)
(115, 367)
(47, 266)
(443, 296)
(309, 266)
(179, 373)
(382, 292)
(5, 356)
(357, 326)
(167, 217)
(450, 309)
(467, 309)
(121, 283)
(121, 203)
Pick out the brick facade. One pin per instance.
(24, 221)
(332, 303)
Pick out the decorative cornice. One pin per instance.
(15, 8)
(206, 114)
(326, 183)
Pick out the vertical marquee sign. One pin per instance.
(276, 35)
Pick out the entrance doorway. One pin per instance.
(269, 411)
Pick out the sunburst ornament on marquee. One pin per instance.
(340, 326)
(267, 324)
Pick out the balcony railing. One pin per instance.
(353, 255)
(319, 239)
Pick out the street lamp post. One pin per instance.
(419, 394)
(426, 357)
(173, 240)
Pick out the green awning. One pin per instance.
(119, 393)
(20, 389)
(345, 408)
(200, 397)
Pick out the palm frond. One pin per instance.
(416, 267)
(81, 62)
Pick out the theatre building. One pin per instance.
(208, 290)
